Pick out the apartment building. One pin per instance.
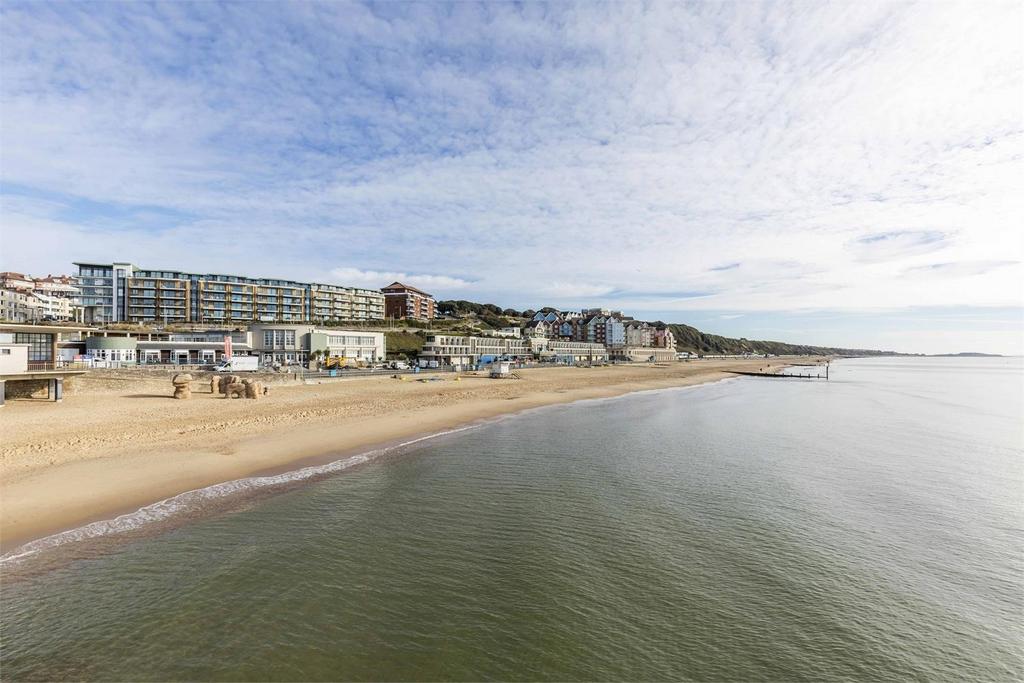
(608, 331)
(12, 280)
(334, 302)
(122, 292)
(554, 325)
(456, 350)
(663, 338)
(62, 286)
(15, 306)
(403, 301)
(28, 305)
(639, 334)
(28, 299)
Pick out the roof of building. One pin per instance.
(398, 286)
(24, 327)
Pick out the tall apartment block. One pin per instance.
(403, 301)
(122, 292)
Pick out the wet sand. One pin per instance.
(106, 451)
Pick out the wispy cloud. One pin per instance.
(897, 244)
(521, 153)
(375, 279)
(562, 291)
(958, 269)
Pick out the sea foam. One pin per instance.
(194, 500)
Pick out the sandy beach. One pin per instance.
(109, 449)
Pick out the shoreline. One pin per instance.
(66, 494)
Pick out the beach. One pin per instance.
(108, 449)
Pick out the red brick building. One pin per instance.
(403, 301)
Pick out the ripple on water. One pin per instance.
(754, 530)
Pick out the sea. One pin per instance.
(866, 528)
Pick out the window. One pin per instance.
(40, 345)
(278, 339)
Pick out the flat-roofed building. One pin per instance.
(122, 292)
(450, 349)
(29, 358)
(283, 344)
(358, 345)
(403, 301)
(645, 353)
(569, 352)
(15, 306)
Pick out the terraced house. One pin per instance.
(123, 292)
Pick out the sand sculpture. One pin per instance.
(182, 386)
(253, 389)
(234, 386)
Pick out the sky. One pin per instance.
(826, 173)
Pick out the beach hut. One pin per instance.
(501, 369)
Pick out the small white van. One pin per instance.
(239, 364)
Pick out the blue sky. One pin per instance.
(821, 173)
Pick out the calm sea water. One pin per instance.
(868, 528)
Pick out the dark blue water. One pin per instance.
(867, 528)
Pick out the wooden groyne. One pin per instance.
(775, 375)
(780, 375)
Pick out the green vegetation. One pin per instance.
(461, 307)
(406, 344)
(693, 340)
(488, 316)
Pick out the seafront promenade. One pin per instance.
(111, 449)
